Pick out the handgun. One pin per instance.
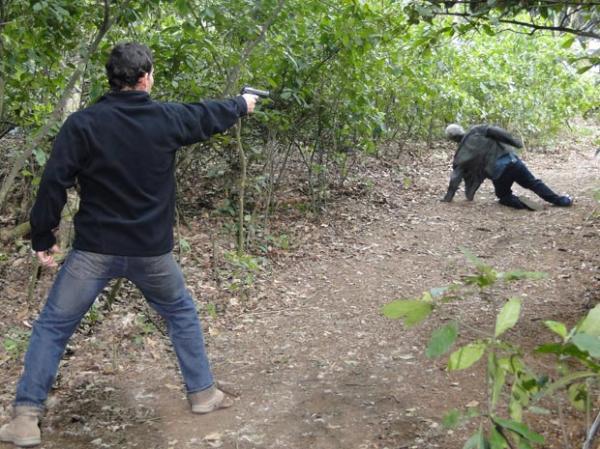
(252, 91)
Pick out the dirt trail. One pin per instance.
(315, 362)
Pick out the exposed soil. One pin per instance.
(306, 347)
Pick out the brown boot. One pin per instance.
(209, 400)
(23, 430)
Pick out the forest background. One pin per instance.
(349, 80)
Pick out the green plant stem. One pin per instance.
(242, 188)
(567, 380)
(113, 293)
(35, 268)
(55, 116)
(563, 430)
(501, 432)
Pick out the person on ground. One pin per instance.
(488, 152)
(121, 153)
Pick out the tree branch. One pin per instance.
(592, 433)
(57, 112)
(535, 27)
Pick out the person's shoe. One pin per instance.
(23, 430)
(530, 204)
(209, 400)
(564, 201)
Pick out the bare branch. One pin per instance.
(592, 433)
(535, 26)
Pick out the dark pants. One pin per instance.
(519, 173)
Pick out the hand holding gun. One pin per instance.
(252, 91)
(251, 96)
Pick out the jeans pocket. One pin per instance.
(88, 265)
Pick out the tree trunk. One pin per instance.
(56, 114)
(242, 188)
(230, 87)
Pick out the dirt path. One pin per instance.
(315, 362)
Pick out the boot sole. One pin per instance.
(203, 409)
(25, 442)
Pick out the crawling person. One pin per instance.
(488, 152)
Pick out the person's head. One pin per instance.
(455, 132)
(129, 67)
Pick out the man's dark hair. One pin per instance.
(127, 63)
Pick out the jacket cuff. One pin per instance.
(43, 242)
(241, 105)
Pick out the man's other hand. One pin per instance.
(46, 258)
(250, 101)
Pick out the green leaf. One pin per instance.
(524, 443)
(563, 349)
(515, 409)
(567, 380)
(442, 340)
(519, 428)
(517, 275)
(588, 343)
(568, 42)
(476, 441)
(497, 441)
(498, 377)
(485, 278)
(557, 328)
(184, 245)
(412, 311)
(578, 396)
(539, 410)
(584, 69)
(451, 419)
(591, 323)
(508, 316)
(476, 261)
(466, 356)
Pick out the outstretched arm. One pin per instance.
(455, 179)
(501, 135)
(195, 122)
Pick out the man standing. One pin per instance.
(487, 152)
(121, 152)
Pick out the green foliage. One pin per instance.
(442, 340)
(466, 356)
(587, 343)
(508, 316)
(512, 384)
(591, 323)
(241, 270)
(145, 327)
(211, 309)
(184, 245)
(92, 316)
(411, 311)
(573, 17)
(393, 75)
(15, 342)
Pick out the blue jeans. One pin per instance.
(79, 281)
(518, 172)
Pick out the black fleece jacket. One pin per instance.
(121, 152)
